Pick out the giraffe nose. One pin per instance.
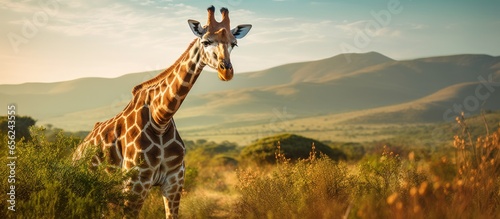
(225, 65)
(225, 70)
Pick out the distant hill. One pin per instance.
(371, 88)
(293, 147)
(51, 100)
(443, 105)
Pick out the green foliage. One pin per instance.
(190, 178)
(22, 126)
(203, 153)
(207, 162)
(354, 151)
(293, 146)
(50, 185)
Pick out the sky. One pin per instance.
(59, 40)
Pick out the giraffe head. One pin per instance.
(217, 40)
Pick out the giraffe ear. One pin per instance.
(197, 29)
(241, 30)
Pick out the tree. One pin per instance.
(21, 126)
(294, 147)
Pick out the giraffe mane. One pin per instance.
(153, 81)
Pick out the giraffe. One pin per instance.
(144, 136)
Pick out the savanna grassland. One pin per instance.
(447, 170)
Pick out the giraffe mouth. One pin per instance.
(225, 71)
(225, 75)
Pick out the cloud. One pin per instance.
(142, 23)
(146, 21)
(290, 31)
(368, 27)
(19, 6)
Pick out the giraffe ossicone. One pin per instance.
(144, 136)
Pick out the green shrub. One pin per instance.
(190, 178)
(22, 126)
(293, 146)
(50, 185)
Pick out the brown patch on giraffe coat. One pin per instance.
(146, 172)
(130, 120)
(175, 165)
(173, 104)
(120, 124)
(147, 185)
(129, 109)
(137, 188)
(188, 77)
(174, 188)
(143, 142)
(144, 115)
(109, 134)
(191, 69)
(151, 132)
(114, 153)
(162, 114)
(128, 164)
(118, 128)
(183, 91)
(174, 150)
(133, 132)
(168, 135)
(177, 195)
(130, 152)
(153, 156)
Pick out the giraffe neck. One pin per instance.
(165, 93)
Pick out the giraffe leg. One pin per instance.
(136, 195)
(172, 190)
(132, 208)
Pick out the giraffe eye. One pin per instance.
(206, 42)
(234, 44)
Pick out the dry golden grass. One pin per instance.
(463, 185)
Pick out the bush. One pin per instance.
(22, 126)
(293, 146)
(313, 188)
(50, 185)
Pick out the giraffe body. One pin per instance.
(144, 136)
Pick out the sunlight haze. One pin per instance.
(48, 40)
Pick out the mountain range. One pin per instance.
(365, 88)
